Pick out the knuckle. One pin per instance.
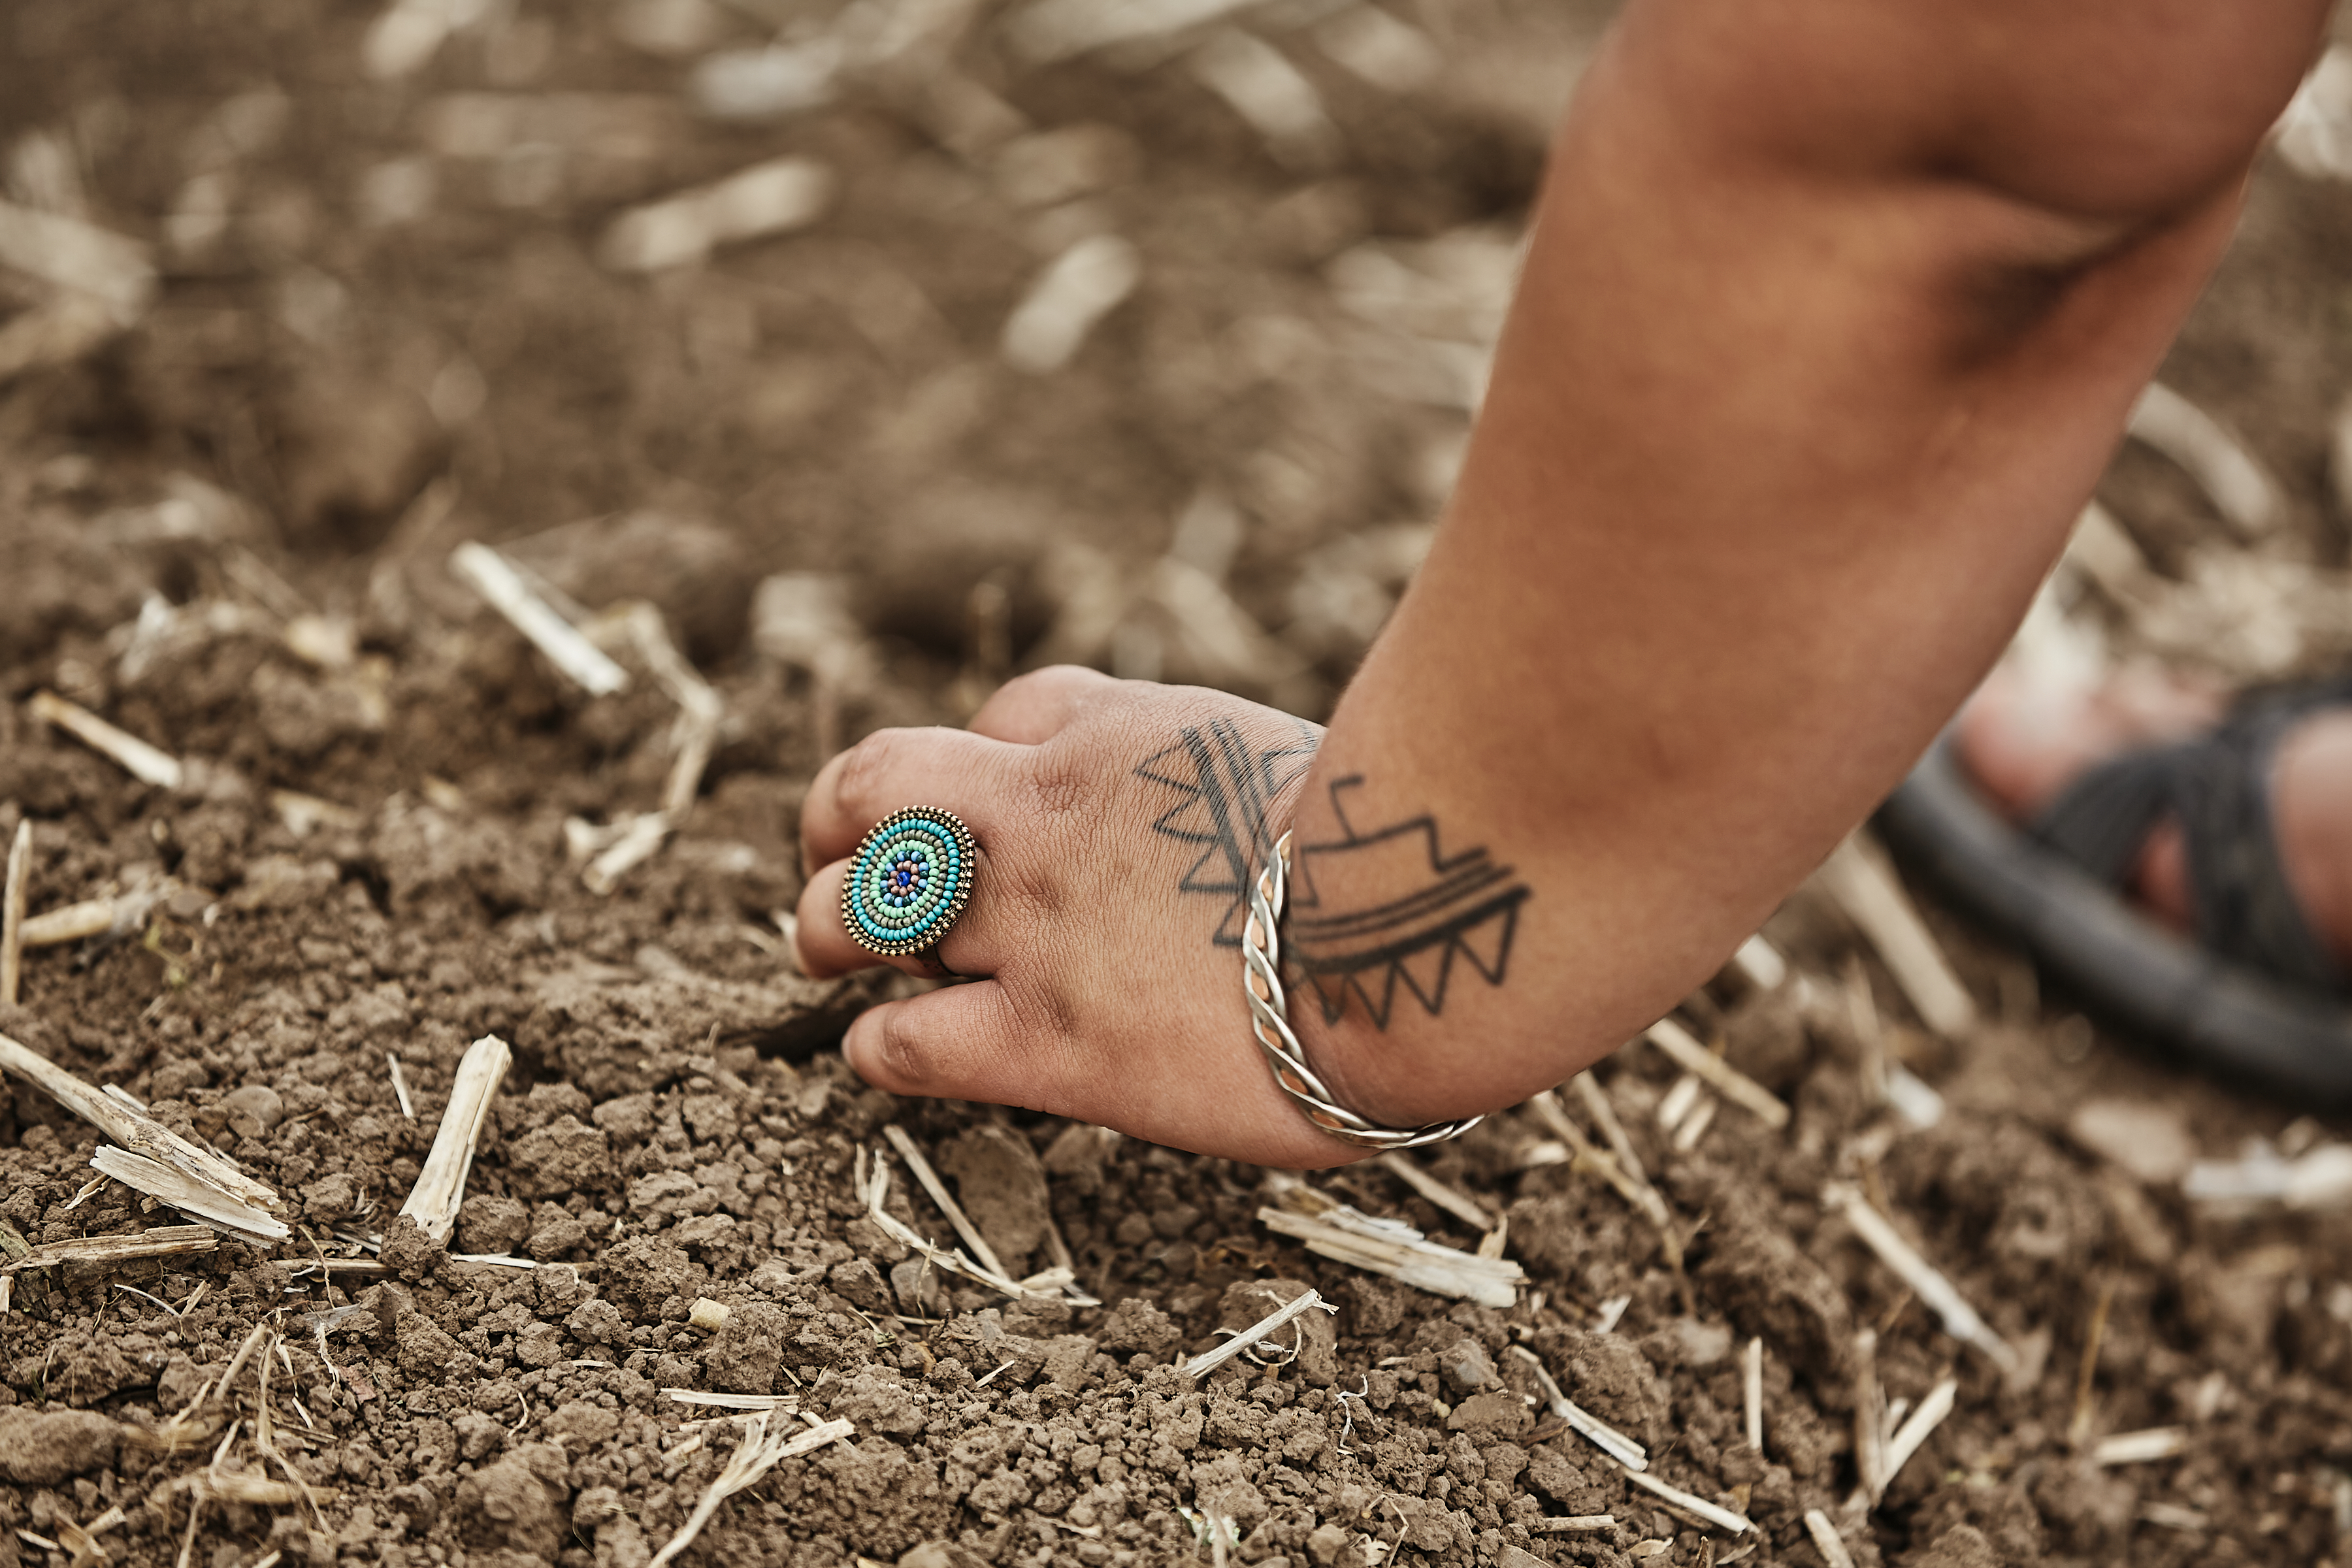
(864, 766)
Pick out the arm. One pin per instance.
(1830, 317)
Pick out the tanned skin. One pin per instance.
(1831, 319)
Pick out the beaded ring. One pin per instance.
(909, 881)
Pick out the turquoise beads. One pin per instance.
(909, 881)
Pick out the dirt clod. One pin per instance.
(41, 1450)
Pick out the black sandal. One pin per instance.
(2256, 993)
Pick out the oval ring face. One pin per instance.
(909, 881)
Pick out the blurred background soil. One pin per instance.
(887, 349)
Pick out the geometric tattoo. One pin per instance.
(1465, 908)
(1226, 786)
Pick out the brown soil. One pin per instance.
(676, 1125)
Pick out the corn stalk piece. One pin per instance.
(136, 757)
(1332, 1229)
(1208, 1361)
(441, 1185)
(133, 1129)
(490, 574)
(1718, 1074)
(12, 913)
(1597, 1432)
(755, 1456)
(1960, 1320)
(162, 1242)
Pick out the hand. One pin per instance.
(1117, 823)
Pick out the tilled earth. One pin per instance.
(380, 327)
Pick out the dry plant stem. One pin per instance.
(1644, 1198)
(1718, 1074)
(199, 1200)
(163, 1242)
(1208, 1361)
(400, 1086)
(1869, 1418)
(2078, 1429)
(1599, 1432)
(2141, 1447)
(1052, 1284)
(931, 1183)
(1752, 1385)
(1715, 1514)
(1870, 1035)
(1864, 886)
(755, 1456)
(733, 1401)
(133, 1130)
(1919, 1426)
(1458, 1204)
(1826, 1540)
(1389, 1248)
(441, 1185)
(1960, 1320)
(491, 575)
(1572, 1524)
(1598, 1105)
(12, 914)
(55, 928)
(135, 756)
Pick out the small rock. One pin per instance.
(860, 1284)
(749, 1348)
(489, 1224)
(918, 1289)
(1496, 1416)
(1467, 1367)
(253, 1110)
(506, 1507)
(38, 1450)
(2151, 1142)
(408, 1253)
(1135, 1325)
(1325, 1545)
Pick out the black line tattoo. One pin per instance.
(1226, 784)
(1464, 908)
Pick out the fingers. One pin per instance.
(975, 946)
(1032, 708)
(951, 769)
(980, 1042)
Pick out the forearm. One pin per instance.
(1776, 450)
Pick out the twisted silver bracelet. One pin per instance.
(1270, 1023)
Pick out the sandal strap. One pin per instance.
(2218, 788)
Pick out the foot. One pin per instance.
(2025, 743)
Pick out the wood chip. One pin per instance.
(441, 1185)
(1719, 1075)
(135, 756)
